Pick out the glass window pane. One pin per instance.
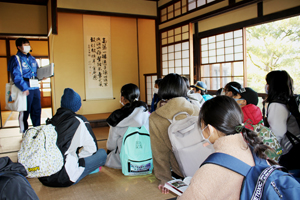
(226, 69)
(190, 1)
(228, 50)
(186, 71)
(204, 53)
(185, 45)
(238, 56)
(178, 70)
(204, 60)
(170, 33)
(165, 50)
(177, 63)
(171, 56)
(238, 33)
(238, 49)
(185, 36)
(185, 54)
(185, 62)
(212, 59)
(220, 44)
(221, 58)
(215, 70)
(171, 39)
(220, 37)
(163, 11)
(185, 28)
(220, 51)
(225, 81)
(177, 47)
(164, 35)
(228, 35)
(171, 70)
(165, 72)
(228, 43)
(205, 71)
(238, 68)
(238, 41)
(165, 64)
(170, 8)
(201, 3)
(215, 84)
(183, 2)
(229, 57)
(204, 47)
(212, 53)
(171, 63)
(211, 39)
(212, 46)
(171, 48)
(192, 5)
(204, 41)
(164, 41)
(178, 55)
(165, 57)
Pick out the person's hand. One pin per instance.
(163, 189)
(26, 92)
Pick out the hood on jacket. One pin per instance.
(6, 165)
(252, 115)
(137, 118)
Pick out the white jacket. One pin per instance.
(137, 118)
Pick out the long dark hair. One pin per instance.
(172, 85)
(225, 115)
(280, 86)
(131, 93)
(233, 87)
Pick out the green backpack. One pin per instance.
(268, 138)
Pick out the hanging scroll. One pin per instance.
(97, 54)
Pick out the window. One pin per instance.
(197, 3)
(175, 51)
(150, 81)
(222, 59)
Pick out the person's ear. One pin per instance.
(238, 96)
(211, 129)
(20, 48)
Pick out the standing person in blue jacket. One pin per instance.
(76, 141)
(26, 80)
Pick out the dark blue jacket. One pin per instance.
(16, 75)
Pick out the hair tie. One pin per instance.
(239, 128)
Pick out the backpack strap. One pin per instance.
(261, 181)
(180, 113)
(229, 162)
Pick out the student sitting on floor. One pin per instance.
(201, 88)
(221, 121)
(173, 91)
(248, 100)
(76, 141)
(134, 113)
(195, 98)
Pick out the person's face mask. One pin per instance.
(155, 90)
(237, 100)
(223, 92)
(205, 139)
(26, 49)
(266, 88)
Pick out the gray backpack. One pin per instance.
(188, 145)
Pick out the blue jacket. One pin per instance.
(14, 68)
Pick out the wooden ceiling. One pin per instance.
(35, 2)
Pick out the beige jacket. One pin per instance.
(216, 182)
(163, 157)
